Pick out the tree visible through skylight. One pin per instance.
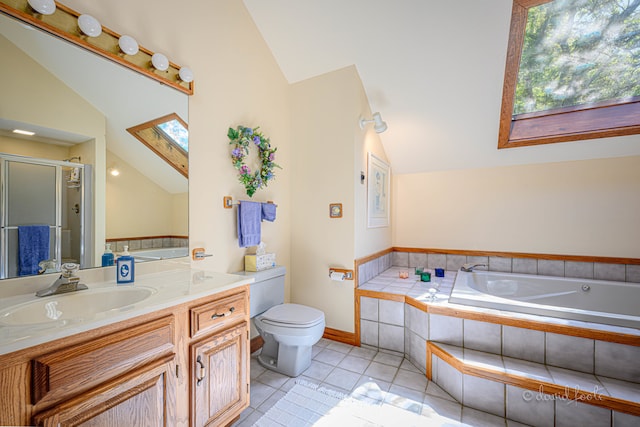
(579, 52)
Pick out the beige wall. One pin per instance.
(551, 208)
(587, 207)
(328, 150)
(138, 207)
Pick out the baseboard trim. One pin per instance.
(340, 336)
(329, 333)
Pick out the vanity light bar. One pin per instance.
(63, 22)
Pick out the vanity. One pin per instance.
(170, 350)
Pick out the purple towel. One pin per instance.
(33, 247)
(249, 217)
(269, 212)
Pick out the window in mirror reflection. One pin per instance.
(168, 137)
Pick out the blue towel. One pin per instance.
(33, 247)
(269, 211)
(249, 217)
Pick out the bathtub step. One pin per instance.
(529, 392)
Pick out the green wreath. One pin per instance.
(242, 138)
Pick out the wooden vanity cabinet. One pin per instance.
(187, 365)
(219, 357)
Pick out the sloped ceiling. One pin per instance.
(433, 68)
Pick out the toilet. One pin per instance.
(289, 331)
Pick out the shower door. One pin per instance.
(35, 191)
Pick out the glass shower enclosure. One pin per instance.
(47, 193)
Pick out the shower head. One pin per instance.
(78, 158)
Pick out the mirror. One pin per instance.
(80, 106)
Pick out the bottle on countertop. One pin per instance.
(125, 267)
(107, 258)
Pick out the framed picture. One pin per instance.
(378, 197)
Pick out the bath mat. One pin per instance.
(307, 404)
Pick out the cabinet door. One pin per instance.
(219, 377)
(142, 398)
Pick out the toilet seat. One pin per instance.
(292, 316)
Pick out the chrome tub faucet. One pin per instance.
(67, 282)
(469, 267)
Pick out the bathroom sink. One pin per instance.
(74, 306)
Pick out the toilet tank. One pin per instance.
(267, 290)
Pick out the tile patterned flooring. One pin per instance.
(369, 375)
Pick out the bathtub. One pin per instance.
(598, 301)
(160, 253)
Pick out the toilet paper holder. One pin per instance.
(347, 274)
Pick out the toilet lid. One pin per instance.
(293, 314)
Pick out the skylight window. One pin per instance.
(177, 132)
(572, 71)
(168, 137)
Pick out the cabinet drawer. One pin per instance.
(73, 370)
(213, 315)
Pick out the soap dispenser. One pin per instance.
(125, 267)
(107, 258)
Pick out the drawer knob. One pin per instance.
(216, 315)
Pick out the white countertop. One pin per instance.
(169, 287)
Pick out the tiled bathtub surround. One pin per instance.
(582, 270)
(150, 243)
(382, 326)
(538, 353)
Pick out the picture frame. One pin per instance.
(378, 192)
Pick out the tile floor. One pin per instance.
(369, 375)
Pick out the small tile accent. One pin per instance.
(391, 337)
(620, 419)
(417, 260)
(478, 260)
(523, 344)
(580, 270)
(400, 259)
(616, 272)
(369, 333)
(523, 406)
(500, 264)
(369, 308)
(450, 379)
(483, 394)
(617, 361)
(482, 336)
(571, 414)
(418, 321)
(633, 273)
(525, 266)
(569, 352)
(454, 262)
(550, 268)
(446, 330)
(436, 261)
(391, 312)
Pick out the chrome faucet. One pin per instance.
(469, 267)
(67, 282)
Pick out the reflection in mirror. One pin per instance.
(79, 106)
